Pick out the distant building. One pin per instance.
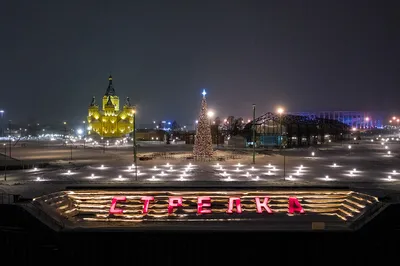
(151, 135)
(110, 121)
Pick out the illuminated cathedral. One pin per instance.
(110, 121)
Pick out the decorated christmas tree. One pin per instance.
(203, 143)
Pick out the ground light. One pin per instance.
(334, 165)
(394, 172)
(120, 176)
(92, 175)
(290, 177)
(257, 177)
(389, 177)
(354, 170)
(327, 177)
(35, 169)
(312, 154)
(38, 178)
(388, 152)
(69, 172)
(102, 166)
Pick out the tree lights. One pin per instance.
(203, 142)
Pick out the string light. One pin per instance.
(203, 141)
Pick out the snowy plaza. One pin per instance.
(363, 164)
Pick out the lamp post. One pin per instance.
(5, 167)
(134, 142)
(254, 133)
(9, 137)
(84, 134)
(210, 115)
(2, 126)
(280, 111)
(367, 120)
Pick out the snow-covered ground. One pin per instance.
(367, 164)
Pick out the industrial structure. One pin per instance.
(354, 119)
(290, 130)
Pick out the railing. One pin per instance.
(9, 198)
(188, 156)
(36, 211)
(43, 215)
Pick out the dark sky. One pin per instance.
(304, 55)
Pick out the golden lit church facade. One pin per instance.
(110, 121)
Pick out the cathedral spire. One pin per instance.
(110, 89)
(109, 102)
(128, 102)
(93, 102)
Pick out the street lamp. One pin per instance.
(134, 141)
(2, 129)
(254, 133)
(367, 120)
(84, 133)
(9, 137)
(280, 111)
(210, 115)
(5, 167)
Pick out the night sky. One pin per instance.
(303, 55)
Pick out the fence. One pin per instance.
(188, 156)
